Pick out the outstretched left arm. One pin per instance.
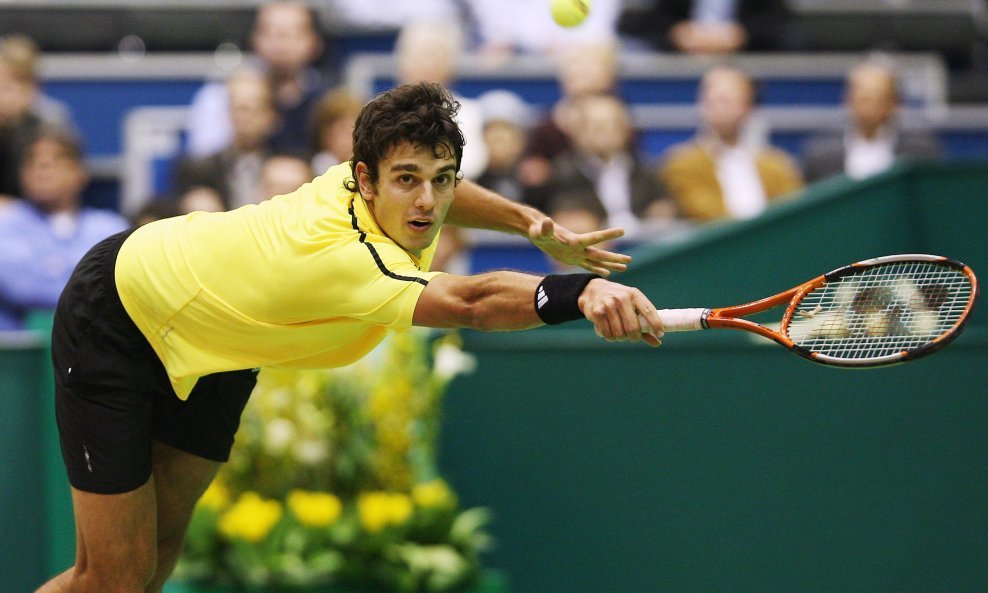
(479, 208)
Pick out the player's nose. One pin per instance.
(426, 199)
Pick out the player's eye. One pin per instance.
(406, 179)
(443, 180)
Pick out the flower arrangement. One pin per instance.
(332, 481)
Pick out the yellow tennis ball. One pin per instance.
(570, 13)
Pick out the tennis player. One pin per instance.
(159, 333)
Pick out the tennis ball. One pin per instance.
(570, 13)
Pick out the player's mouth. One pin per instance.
(420, 225)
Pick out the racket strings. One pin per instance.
(881, 310)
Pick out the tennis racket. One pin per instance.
(874, 312)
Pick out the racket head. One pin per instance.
(881, 311)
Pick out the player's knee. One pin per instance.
(124, 573)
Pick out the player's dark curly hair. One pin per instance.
(423, 114)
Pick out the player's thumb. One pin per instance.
(546, 229)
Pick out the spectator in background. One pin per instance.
(708, 27)
(286, 42)
(200, 198)
(155, 209)
(332, 128)
(872, 140)
(235, 171)
(581, 70)
(505, 27)
(44, 235)
(18, 121)
(21, 54)
(284, 173)
(603, 166)
(426, 51)
(579, 208)
(718, 173)
(507, 119)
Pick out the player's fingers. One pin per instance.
(608, 257)
(627, 318)
(595, 269)
(648, 315)
(602, 318)
(651, 340)
(594, 237)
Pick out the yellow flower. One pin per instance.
(216, 497)
(380, 509)
(433, 494)
(251, 518)
(315, 509)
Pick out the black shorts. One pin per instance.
(112, 395)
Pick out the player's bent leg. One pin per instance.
(116, 542)
(180, 479)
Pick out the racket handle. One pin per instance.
(682, 320)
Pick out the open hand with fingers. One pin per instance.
(579, 249)
(620, 312)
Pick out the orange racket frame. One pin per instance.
(731, 317)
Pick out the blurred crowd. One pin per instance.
(279, 120)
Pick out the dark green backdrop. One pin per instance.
(720, 463)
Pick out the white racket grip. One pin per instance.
(682, 320)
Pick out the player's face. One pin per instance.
(413, 193)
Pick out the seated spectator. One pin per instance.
(603, 163)
(577, 210)
(332, 128)
(18, 122)
(719, 173)
(155, 209)
(507, 120)
(708, 27)
(427, 51)
(873, 139)
(199, 198)
(21, 55)
(581, 70)
(282, 174)
(235, 171)
(287, 44)
(44, 235)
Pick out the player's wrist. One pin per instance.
(557, 298)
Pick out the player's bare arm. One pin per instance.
(479, 208)
(505, 301)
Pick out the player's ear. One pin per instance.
(364, 183)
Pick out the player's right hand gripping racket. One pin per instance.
(875, 312)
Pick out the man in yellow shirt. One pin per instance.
(157, 333)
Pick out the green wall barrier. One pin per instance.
(721, 462)
(22, 470)
(37, 532)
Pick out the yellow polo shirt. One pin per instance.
(304, 280)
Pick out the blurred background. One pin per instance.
(744, 145)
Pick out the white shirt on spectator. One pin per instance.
(864, 158)
(613, 186)
(744, 195)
